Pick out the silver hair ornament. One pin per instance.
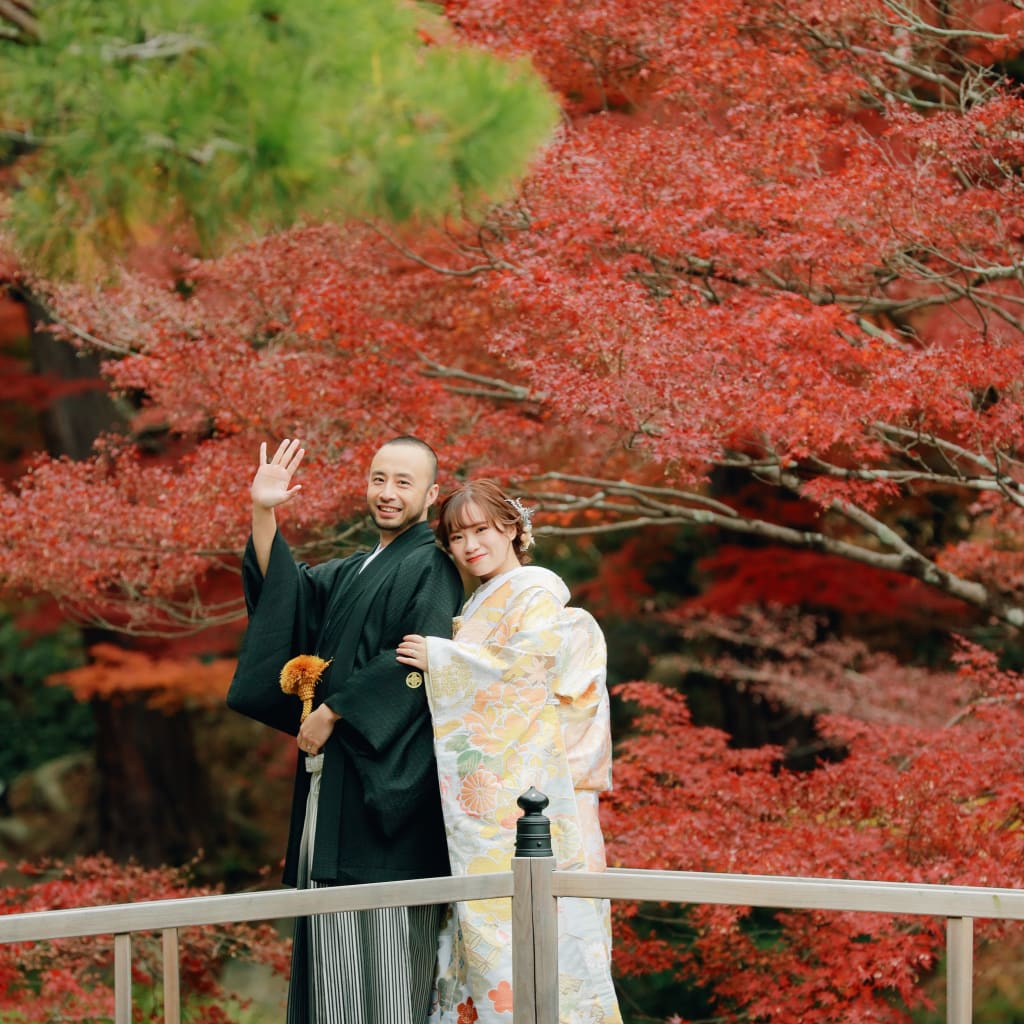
(526, 514)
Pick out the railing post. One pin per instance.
(959, 969)
(123, 978)
(172, 977)
(534, 921)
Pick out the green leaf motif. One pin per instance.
(469, 761)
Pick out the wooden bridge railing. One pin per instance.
(534, 887)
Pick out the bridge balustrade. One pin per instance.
(534, 886)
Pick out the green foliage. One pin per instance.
(217, 117)
(37, 722)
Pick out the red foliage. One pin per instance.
(71, 979)
(794, 661)
(167, 682)
(740, 576)
(934, 804)
(776, 250)
(730, 258)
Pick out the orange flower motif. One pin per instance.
(501, 997)
(505, 630)
(502, 715)
(478, 794)
(467, 1012)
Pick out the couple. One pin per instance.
(417, 745)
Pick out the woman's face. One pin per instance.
(482, 548)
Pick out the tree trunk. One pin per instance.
(153, 802)
(70, 423)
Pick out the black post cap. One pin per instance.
(533, 830)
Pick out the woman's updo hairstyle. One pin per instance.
(498, 510)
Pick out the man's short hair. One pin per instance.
(418, 443)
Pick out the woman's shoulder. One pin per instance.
(535, 577)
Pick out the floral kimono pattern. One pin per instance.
(518, 699)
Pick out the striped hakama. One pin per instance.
(363, 966)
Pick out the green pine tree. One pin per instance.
(218, 118)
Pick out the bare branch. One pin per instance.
(495, 387)
(1013, 489)
(20, 13)
(472, 271)
(902, 557)
(912, 20)
(625, 486)
(949, 448)
(164, 46)
(84, 335)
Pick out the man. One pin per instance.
(366, 806)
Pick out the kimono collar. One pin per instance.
(526, 577)
(417, 535)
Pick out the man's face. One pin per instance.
(399, 490)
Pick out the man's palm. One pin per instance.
(271, 486)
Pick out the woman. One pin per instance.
(517, 698)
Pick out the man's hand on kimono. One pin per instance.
(413, 651)
(316, 730)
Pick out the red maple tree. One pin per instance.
(764, 290)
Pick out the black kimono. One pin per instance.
(379, 812)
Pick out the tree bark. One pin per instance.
(71, 423)
(152, 802)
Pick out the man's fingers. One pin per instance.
(289, 454)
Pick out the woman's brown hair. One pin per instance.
(498, 510)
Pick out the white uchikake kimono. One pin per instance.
(518, 699)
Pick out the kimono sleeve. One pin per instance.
(584, 710)
(536, 642)
(284, 608)
(519, 648)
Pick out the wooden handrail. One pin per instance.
(534, 886)
(156, 915)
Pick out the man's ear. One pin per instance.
(432, 492)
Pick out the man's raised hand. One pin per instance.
(271, 486)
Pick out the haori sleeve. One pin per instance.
(284, 615)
